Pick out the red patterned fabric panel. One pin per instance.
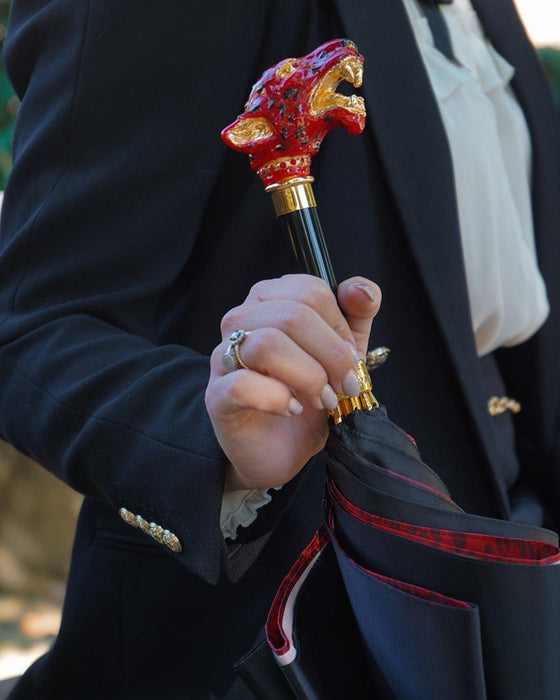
(275, 633)
(276, 638)
(485, 547)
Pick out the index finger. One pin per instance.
(309, 290)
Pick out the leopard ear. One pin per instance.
(247, 133)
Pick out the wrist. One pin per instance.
(234, 481)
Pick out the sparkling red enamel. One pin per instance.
(283, 98)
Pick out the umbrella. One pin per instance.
(401, 594)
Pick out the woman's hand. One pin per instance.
(270, 419)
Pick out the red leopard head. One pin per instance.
(293, 106)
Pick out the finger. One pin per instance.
(307, 329)
(245, 389)
(360, 300)
(306, 289)
(271, 352)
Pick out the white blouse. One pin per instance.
(491, 152)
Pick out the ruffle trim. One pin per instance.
(240, 509)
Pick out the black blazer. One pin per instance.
(128, 230)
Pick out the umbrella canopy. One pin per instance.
(401, 594)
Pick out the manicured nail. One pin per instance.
(350, 384)
(294, 407)
(328, 397)
(367, 290)
(356, 354)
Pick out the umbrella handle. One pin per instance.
(290, 110)
(295, 207)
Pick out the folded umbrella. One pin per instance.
(400, 594)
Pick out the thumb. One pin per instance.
(359, 299)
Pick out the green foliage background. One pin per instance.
(551, 58)
(9, 103)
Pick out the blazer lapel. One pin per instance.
(405, 122)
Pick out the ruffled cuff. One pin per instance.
(240, 509)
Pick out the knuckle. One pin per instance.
(317, 293)
(316, 378)
(231, 319)
(259, 290)
(211, 399)
(208, 399)
(341, 358)
(294, 315)
(237, 388)
(266, 341)
(341, 327)
(216, 356)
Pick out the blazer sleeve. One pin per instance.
(121, 107)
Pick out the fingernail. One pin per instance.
(294, 407)
(367, 290)
(350, 384)
(356, 354)
(328, 397)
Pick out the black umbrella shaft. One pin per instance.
(296, 209)
(295, 206)
(308, 244)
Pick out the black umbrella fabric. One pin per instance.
(402, 595)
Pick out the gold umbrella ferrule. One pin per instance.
(293, 195)
(365, 400)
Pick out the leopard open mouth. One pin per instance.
(325, 97)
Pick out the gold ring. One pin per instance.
(231, 359)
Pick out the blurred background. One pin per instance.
(37, 513)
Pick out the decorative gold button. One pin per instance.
(377, 357)
(142, 524)
(128, 517)
(172, 541)
(498, 405)
(155, 531)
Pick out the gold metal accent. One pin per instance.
(286, 68)
(324, 96)
(143, 524)
(377, 357)
(364, 402)
(156, 531)
(249, 130)
(293, 195)
(128, 517)
(165, 537)
(498, 405)
(172, 542)
(231, 359)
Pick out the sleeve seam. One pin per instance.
(94, 417)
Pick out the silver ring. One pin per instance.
(231, 359)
